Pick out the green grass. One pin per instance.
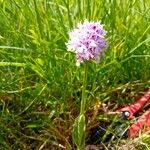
(40, 86)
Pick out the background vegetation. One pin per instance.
(40, 86)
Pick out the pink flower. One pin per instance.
(87, 41)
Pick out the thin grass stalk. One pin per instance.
(80, 10)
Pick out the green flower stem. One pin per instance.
(80, 125)
(83, 100)
(83, 106)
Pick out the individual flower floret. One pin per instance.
(87, 41)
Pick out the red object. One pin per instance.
(135, 107)
(142, 124)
